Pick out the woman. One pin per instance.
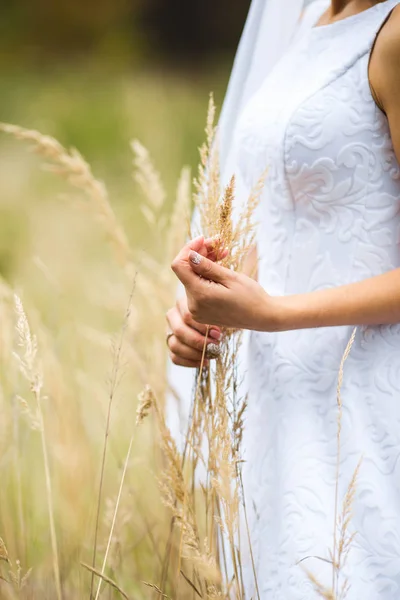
(326, 121)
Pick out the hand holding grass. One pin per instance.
(219, 296)
(186, 344)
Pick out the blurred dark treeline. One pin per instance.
(180, 32)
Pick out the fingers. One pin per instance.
(183, 351)
(181, 362)
(209, 270)
(187, 343)
(214, 249)
(214, 333)
(185, 334)
(209, 248)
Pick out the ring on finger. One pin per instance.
(168, 337)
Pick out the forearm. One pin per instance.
(373, 301)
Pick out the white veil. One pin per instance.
(269, 29)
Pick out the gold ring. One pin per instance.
(169, 335)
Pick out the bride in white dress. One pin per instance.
(324, 117)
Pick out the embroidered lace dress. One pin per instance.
(330, 215)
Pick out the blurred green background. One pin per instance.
(96, 74)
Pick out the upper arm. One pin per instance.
(384, 74)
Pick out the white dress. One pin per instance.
(330, 215)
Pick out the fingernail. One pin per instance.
(215, 335)
(195, 257)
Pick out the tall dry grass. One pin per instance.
(123, 511)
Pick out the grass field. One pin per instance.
(55, 255)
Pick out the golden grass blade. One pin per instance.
(191, 437)
(109, 541)
(192, 585)
(253, 564)
(326, 560)
(106, 579)
(156, 588)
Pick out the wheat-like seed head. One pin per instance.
(341, 368)
(146, 400)
(27, 358)
(149, 180)
(3, 551)
(72, 166)
(224, 230)
(344, 521)
(31, 370)
(210, 128)
(321, 590)
(207, 184)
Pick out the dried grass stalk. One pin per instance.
(321, 590)
(342, 546)
(207, 184)
(114, 381)
(217, 414)
(31, 370)
(71, 165)
(145, 404)
(108, 580)
(149, 180)
(335, 564)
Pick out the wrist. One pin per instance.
(284, 313)
(273, 315)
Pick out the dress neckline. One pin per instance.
(347, 21)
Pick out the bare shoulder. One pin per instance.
(384, 70)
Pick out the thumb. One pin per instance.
(208, 269)
(180, 265)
